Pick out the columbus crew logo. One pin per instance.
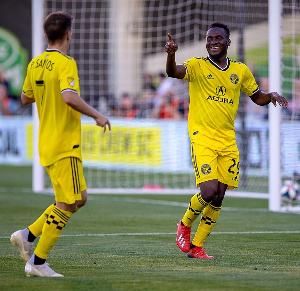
(234, 79)
(206, 169)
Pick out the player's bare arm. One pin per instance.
(173, 70)
(78, 104)
(26, 100)
(261, 98)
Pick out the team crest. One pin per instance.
(234, 79)
(206, 169)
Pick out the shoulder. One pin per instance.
(195, 60)
(66, 61)
(238, 64)
(65, 58)
(69, 58)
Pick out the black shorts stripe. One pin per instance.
(74, 175)
(78, 179)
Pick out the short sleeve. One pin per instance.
(189, 75)
(249, 85)
(68, 77)
(27, 89)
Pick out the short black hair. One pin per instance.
(56, 25)
(221, 25)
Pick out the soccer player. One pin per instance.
(52, 83)
(215, 83)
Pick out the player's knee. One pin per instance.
(208, 196)
(209, 190)
(83, 200)
(218, 199)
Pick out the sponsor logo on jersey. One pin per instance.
(210, 77)
(221, 91)
(220, 99)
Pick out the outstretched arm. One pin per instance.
(173, 70)
(261, 98)
(78, 104)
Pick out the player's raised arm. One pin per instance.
(173, 70)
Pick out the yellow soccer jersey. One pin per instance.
(48, 76)
(214, 100)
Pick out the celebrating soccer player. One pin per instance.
(52, 83)
(215, 83)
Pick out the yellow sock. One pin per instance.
(51, 232)
(207, 223)
(197, 204)
(36, 227)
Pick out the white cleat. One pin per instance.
(24, 246)
(40, 270)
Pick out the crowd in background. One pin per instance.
(8, 103)
(160, 98)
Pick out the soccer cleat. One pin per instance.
(40, 270)
(183, 237)
(24, 246)
(198, 253)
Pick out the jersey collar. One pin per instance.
(217, 66)
(53, 50)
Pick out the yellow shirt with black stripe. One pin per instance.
(214, 100)
(48, 76)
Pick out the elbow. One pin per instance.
(25, 100)
(170, 74)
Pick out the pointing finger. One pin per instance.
(170, 37)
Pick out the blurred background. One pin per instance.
(119, 49)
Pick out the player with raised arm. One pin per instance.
(215, 84)
(52, 83)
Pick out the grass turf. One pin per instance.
(127, 242)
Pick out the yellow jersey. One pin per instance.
(214, 100)
(48, 76)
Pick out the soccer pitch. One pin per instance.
(127, 242)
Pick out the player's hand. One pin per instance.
(103, 121)
(276, 98)
(171, 47)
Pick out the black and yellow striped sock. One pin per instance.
(208, 221)
(51, 232)
(36, 227)
(197, 204)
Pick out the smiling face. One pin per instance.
(217, 43)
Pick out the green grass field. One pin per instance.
(127, 242)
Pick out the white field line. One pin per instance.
(138, 191)
(180, 204)
(168, 233)
(174, 233)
